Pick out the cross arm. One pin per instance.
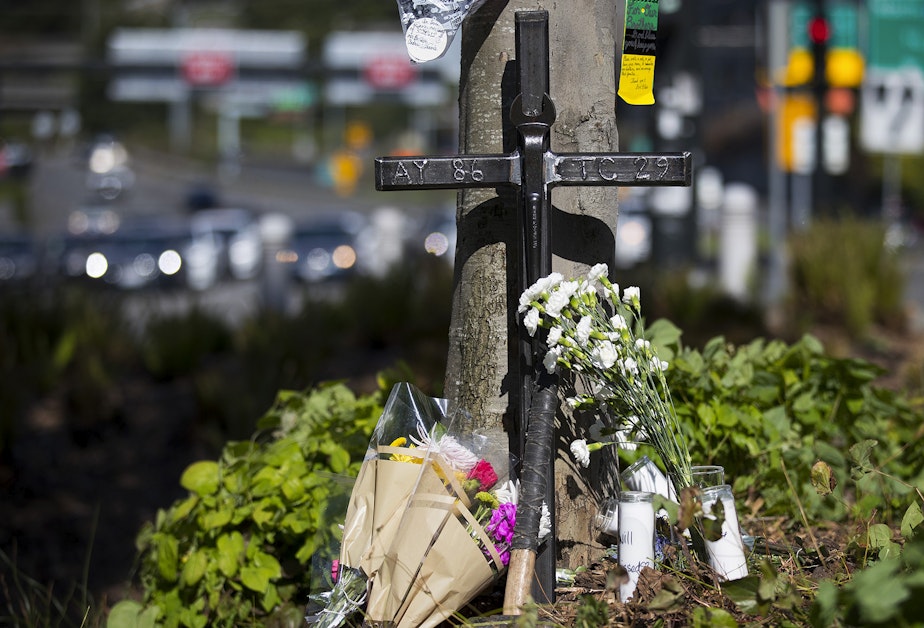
(441, 173)
(620, 169)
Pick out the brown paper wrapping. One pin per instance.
(377, 504)
(434, 566)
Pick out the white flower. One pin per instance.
(618, 321)
(580, 452)
(458, 456)
(630, 366)
(543, 284)
(635, 428)
(531, 321)
(658, 366)
(641, 343)
(631, 295)
(583, 330)
(550, 361)
(560, 297)
(624, 442)
(597, 271)
(545, 522)
(604, 355)
(508, 493)
(554, 336)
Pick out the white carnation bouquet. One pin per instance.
(596, 335)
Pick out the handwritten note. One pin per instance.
(636, 76)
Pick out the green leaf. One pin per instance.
(338, 459)
(911, 520)
(182, 509)
(879, 535)
(744, 593)
(293, 488)
(201, 477)
(194, 568)
(230, 548)
(705, 617)
(216, 518)
(860, 453)
(269, 562)
(168, 554)
(124, 615)
(256, 578)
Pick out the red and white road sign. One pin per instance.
(389, 72)
(207, 68)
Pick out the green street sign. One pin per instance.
(896, 34)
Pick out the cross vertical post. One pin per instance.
(533, 113)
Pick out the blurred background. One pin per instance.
(188, 222)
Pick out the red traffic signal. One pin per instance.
(819, 30)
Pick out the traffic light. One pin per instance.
(824, 42)
(819, 30)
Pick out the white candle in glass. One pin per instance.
(726, 555)
(636, 537)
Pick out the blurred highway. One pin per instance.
(70, 219)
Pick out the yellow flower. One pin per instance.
(398, 442)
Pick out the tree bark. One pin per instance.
(483, 355)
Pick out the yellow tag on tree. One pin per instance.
(636, 77)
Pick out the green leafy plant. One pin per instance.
(237, 551)
(768, 410)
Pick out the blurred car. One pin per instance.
(19, 257)
(143, 253)
(237, 232)
(323, 247)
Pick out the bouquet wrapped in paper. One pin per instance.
(455, 532)
(379, 497)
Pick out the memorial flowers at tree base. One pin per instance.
(430, 519)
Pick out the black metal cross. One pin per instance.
(535, 170)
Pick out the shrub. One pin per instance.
(237, 551)
(842, 273)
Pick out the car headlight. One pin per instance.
(344, 256)
(97, 265)
(169, 262)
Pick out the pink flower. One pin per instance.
(484, 473)
(503, 520)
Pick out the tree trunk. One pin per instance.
(482, 368)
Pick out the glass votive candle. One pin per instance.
(607, 519)
(636, 537)
(726, 555)
(704, 475)
(644, 475)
